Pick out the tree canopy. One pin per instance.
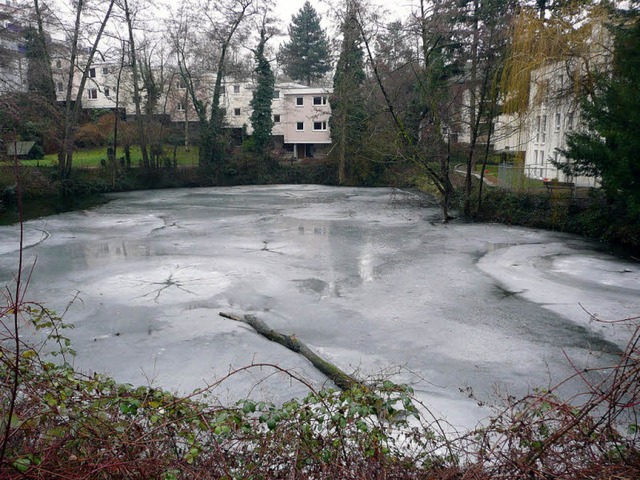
(306, 56)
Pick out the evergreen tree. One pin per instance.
(608, 148)
(348, 114)
(39, 69)
(306, 58)
(261, 118)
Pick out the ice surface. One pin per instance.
(367, 277)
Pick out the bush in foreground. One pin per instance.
(59, 423)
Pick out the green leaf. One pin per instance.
(22, 464)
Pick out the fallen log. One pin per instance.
(342, 380)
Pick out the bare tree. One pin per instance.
(222, 22)
(72, 107)
(419, 140)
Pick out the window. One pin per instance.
(223, 90)
(236, 112)
(320, 126)
(555, 156)
(319, 100)
(180, 107)
(299, 101)
(544, 128)
(300, 126)
(58, 63)
(236, 89)
(106, 91)
(535, 157)
(557, 122)
(538, 129)
(92, 73)
(92, 93)
(276, 94)
(570, 122)
(105, 71)
(276, 118)
(60, 86)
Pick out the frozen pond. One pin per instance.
(367, 277)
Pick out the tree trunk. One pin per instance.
(136, 89)
(342, 380)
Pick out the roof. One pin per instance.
(19, 148)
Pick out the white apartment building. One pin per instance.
(13, 61)
(541, 132)
(300, 113)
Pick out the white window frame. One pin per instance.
(276, 118)
(299, 101)
(106, 91)
(180, 107)
(299, 126)
(92, 93)
(323, 126)
(321, 100)
(237, 112)
(558, 121)
(92, 72)
(236, 89)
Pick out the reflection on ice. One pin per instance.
(360, 275)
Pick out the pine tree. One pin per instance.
(306, 58)
(39, 70)
(348, 115)
(261, 118)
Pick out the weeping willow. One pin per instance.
(568, 36)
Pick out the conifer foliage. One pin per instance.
(348, 114)
(306, 56)
(261, 118)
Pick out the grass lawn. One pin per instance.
(91, 157)
(519, 181)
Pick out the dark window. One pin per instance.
(106, 91)
(236, 89)
(276, 118)
(299, 101)
(236, 111)
(92, 73)
(92, 93)
(300, 126)
(276, 94)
